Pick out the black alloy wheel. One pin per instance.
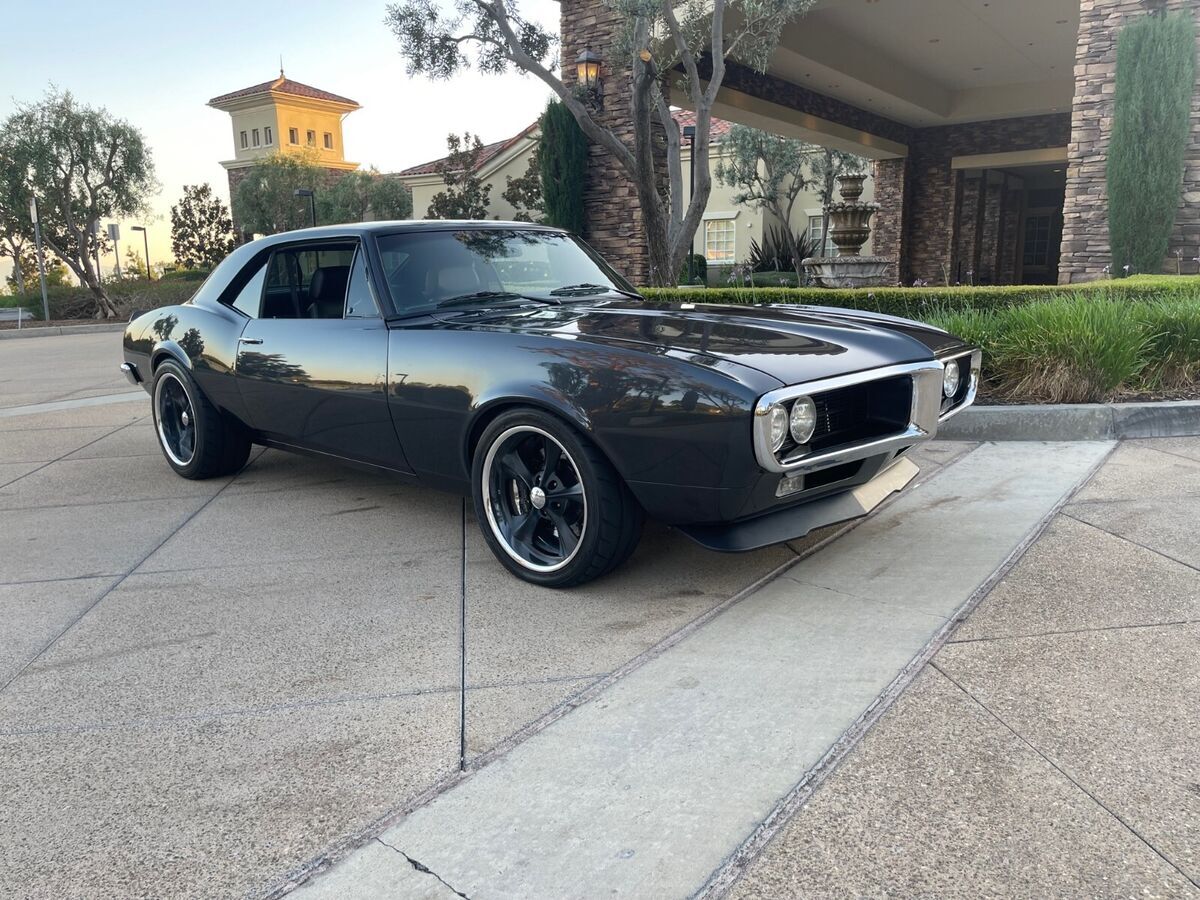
(550, 506)
(196, 439)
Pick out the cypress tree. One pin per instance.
(562, 157)
(1156, 75)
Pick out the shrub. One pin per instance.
(1173, 327)
(67, 302)
(562, 161)
(1156, 74)
(1069, 349)
(918, 303)
(774, 279)
(775, 253)
(698, 273)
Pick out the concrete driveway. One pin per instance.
(205, 684)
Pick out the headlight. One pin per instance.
(951, 379)
(803, 420)
(779, 426)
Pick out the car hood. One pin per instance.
(792, 344)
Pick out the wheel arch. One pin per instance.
(171, 350)
(488, 412)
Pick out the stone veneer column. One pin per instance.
(1085, 248)
(613, 214)
(888, 228)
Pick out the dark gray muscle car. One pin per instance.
(510, 362)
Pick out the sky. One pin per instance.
(156, 64)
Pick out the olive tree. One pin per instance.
(768, 172)
(655, 40)
(362, 194)
(82, 165)
(266, 203)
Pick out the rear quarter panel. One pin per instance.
(201, 339)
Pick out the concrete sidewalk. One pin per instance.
(1050, 747)
(650, 787)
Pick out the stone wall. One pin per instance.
(929, 249)
(613, 214)
(1085, 248)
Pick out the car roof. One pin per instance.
(397, 226)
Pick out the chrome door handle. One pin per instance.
(249, 340)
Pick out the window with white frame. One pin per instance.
(268, 136)
(816, 224)
(310, 138)
(328, 141)
(293, 135)
(257, 142)
(720, 241)
(245, 140)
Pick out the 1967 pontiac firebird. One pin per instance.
(509, 361)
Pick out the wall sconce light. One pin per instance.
(587, 68)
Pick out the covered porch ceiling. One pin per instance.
(920, 63)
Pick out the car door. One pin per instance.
(312, 363)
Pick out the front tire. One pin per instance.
(196, 440)
(552, 509)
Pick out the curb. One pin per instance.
(9, 334)
(1075, 422)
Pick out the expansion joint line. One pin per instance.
(462, 639)
(1061, 771)
(423, 869)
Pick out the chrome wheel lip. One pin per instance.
(187, 418)
(485, 486)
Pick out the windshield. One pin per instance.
(426, 269)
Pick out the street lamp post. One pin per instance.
(312, 202)
(689, 132)
(37, 240)
(146, 243)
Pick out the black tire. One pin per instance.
(602, 519)
(196, 440)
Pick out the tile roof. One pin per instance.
(488, 152)
(717, 128)
(282, 85)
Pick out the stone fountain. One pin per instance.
(849, 226)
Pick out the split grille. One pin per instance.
(862, 412)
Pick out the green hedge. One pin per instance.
(916, 302)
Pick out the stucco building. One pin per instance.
(988, 122)
(284, 116)
(725, 233)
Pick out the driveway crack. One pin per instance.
(423, 869)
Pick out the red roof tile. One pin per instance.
(282, 85)
(717, 128)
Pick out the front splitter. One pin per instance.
(797, 521)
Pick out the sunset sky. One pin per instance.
(157, 64)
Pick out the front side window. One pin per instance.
(719, 241)
(360, 299)
(425, 270)
(307, 282)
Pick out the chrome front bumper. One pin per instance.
(924, 416)
(129, 370)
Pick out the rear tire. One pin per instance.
(551, 507)
(196, 440)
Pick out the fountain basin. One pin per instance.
(849, 271)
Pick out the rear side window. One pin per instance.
(249, 298)
(308, 282)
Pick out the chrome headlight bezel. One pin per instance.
(777, 425)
